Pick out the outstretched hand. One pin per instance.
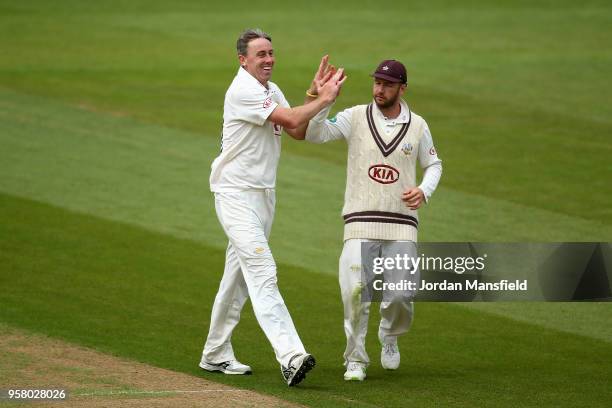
(330, 90)
(325, 72)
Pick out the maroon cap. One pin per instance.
(391, 70)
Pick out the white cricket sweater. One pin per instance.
(381, 166)
(377, 175)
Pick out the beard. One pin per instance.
(388, 103)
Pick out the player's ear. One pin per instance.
(402, 88)
(242, 60)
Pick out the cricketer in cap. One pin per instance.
(392, 71)
(386, 140)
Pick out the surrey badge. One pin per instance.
(407, 149)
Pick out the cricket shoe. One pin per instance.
(355, 371)
(390, 356)
(298, 366)
(233, 367)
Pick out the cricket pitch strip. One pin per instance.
(94, 379)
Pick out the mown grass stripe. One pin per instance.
(147, 296)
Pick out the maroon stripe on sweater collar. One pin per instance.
(386, 149)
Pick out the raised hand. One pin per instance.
(323, 74)
(332, 85)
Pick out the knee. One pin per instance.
(400, 298)
(351, 290)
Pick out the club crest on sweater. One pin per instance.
(407, 149)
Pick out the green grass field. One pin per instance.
(110, 115)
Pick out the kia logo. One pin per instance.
(383, 174)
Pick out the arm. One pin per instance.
(431, 178)
(323, 74)
(327, 80)
(299, 133)
(294, 117)
(323, 130)
(432, 165)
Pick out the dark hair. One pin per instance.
(248, 36)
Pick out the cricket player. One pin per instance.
(243, 179)
(385, 141)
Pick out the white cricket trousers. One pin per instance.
(250, 271)
(395, 316)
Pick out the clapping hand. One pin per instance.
(325, 72)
